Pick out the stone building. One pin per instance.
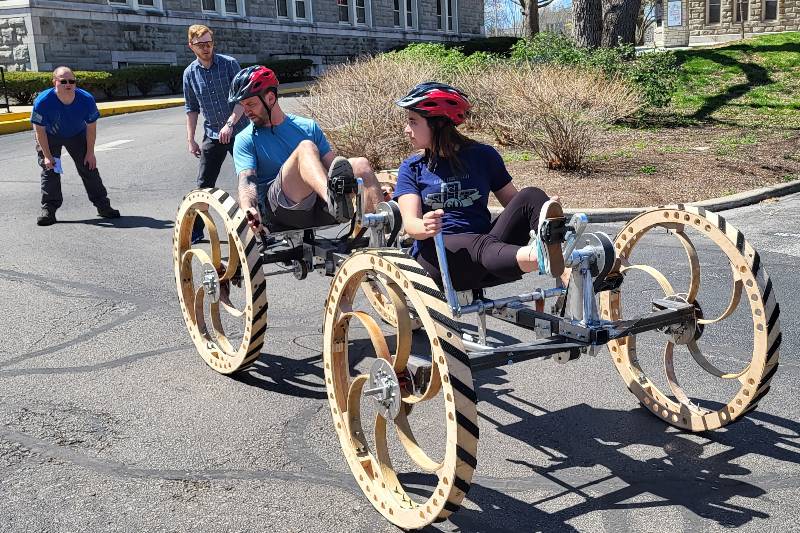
(703, 22)
(105, 34)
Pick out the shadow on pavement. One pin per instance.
(124, 222)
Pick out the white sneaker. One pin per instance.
(549, 256)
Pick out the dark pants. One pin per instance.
(479, 260)
(212, 155)
(51, 180)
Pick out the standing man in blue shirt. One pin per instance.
(206, 83)
(66, 117)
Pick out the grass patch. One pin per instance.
(751, 82)
(512, 156)
(789, 177)
(648, 169)
(729, 145)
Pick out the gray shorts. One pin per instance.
(281, 213)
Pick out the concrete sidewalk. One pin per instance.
(20, 117)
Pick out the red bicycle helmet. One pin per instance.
(251, 81)
(432, 99)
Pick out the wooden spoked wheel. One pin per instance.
(372, 460)
(221, 284)
(743, 385)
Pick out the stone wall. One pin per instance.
(88, 35)
(14, 38)
(727, 29)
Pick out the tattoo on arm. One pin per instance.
(248, 193)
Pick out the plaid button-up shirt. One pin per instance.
(206, 91)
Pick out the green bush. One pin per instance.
(450, 61)
(287, 70)
(654, 75)
(95, 82)
(24, 86)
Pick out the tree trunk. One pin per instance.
(532, 19)
(587, 22)
(619, 21)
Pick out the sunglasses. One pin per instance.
(65, 82)
(204, 44)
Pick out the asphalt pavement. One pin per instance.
(110, 421)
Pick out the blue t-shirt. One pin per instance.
(466, 199)
(64, 120)
(264, 151)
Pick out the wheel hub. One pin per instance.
(384, 387)
(211, 283)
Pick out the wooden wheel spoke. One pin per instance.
(213, 238)
(736, 296)
(709, 367)
(404, 329)
(694, 265)
(225, 300)
(433, 388)
(354, 426)
(677, 390)
(413, 449)
(374, 331)
(232, 264)
(654, 273)
(199, 311)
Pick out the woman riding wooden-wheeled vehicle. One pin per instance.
(398, 350)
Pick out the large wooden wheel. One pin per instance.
(221, 285)
(371, 451)
(751, 294)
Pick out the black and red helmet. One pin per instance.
(432, 99)
(251, 81)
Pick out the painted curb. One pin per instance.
(17, 122)
(624, 214)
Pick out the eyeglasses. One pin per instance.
(204, 44)
(65, 82)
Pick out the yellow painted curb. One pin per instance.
(16, 122)
(15, 126)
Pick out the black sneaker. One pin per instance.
(47, 218)
(341, 184)
(107, 212)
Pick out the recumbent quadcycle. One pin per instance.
(414, 362)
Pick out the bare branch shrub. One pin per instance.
(354, 105)
(555, 110)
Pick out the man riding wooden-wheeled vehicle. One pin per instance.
(398, 350)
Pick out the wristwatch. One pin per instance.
(229, 123)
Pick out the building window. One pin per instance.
(282, 9)
(742, 9)
(344, 10)
(770, 9)
(450, 15)
(209, 5)
(147, 3)
(713, 15)
(300, 9)
(439, 15)
(397, 13)
(410, 13)
(231, 7)
(123, 2)
(361, 12)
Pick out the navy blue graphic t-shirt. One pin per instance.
(465, 198)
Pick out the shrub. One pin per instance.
(557, 110)
(654, 74)
(447, 61)
(24, 86)
(96, 82)
(287, 70)
(354, 105)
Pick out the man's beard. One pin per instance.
(260, 120)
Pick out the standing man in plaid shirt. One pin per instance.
(206, 83)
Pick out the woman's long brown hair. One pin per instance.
(446, 141)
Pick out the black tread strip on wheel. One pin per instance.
(448, 322)
(461, 485)
(467, 424)
(463, 389)
(455, 352)
(467, 457)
